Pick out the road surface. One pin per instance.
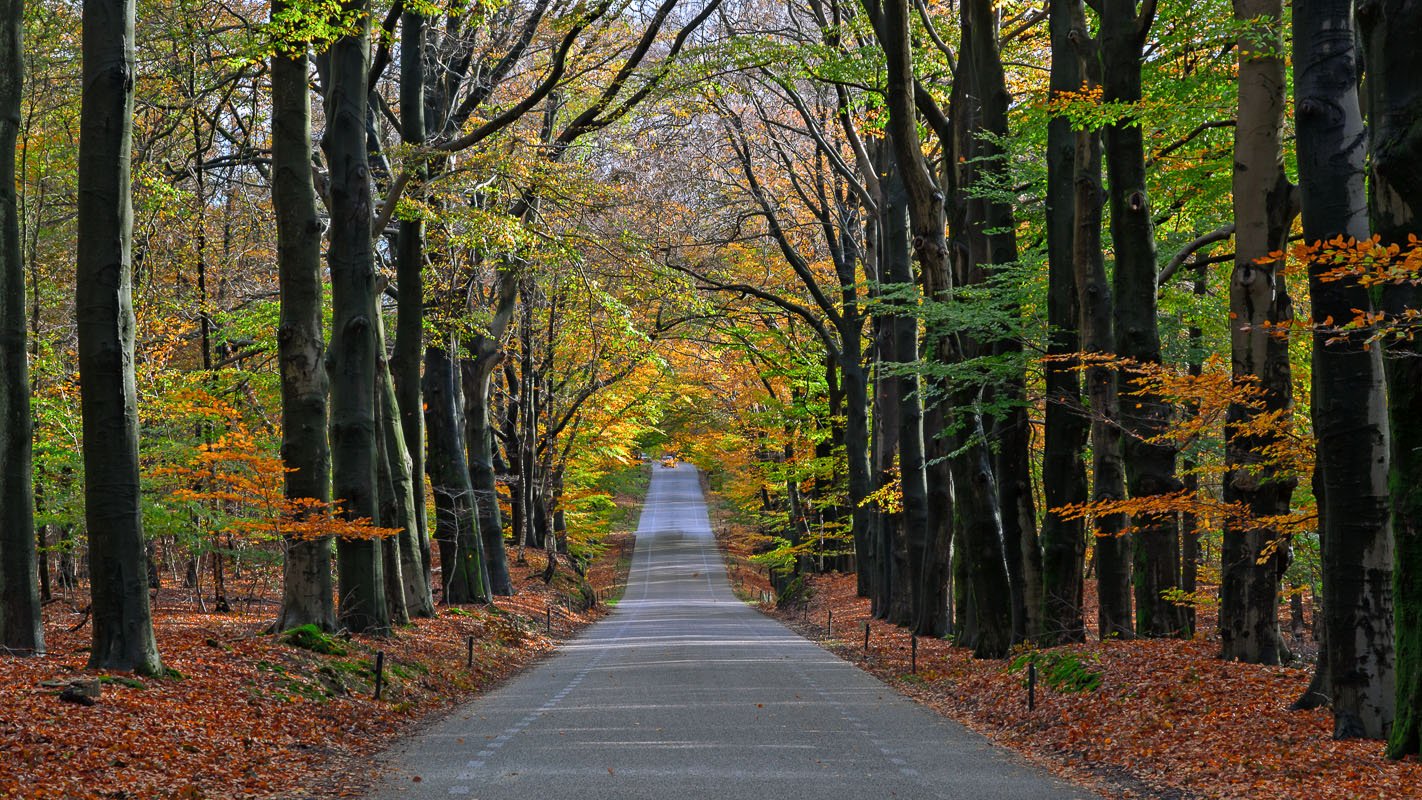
(684, 692)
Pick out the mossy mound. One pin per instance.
(310, 637)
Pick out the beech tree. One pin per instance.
(1064, 427)
(307, 589)
(1254, 560)
(351, 360)
(123, 626)
(1366, 593)
(21, 629)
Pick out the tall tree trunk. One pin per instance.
(456, 526)
(975, 500)
(353, 353)
(1189, 520)
(1111, 545)
(1253, 558)
(123, 624)
(21, 628)
(996, 224)
(1150, 465)
(1389, 35)
(479, 432)
(307, 592)
(410, 301)
(1065, 429)
(397, 500)
(914, 531)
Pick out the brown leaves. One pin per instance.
(250, 717)
(1169, 718)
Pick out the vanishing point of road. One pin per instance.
(684, 692)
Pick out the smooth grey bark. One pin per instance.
(1064, 428)
(477, 377)
(410, 307)
(1253, 558)
(397, 498)
(456, 526)
(123, 623)
(21, 627)
(307, 591)
(907, 565)
(1367, 591)
(410, 301)
(351, 360)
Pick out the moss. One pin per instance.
(132, 683)
(310, 637)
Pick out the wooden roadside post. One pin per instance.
(379, 672)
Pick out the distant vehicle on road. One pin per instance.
(669, 461)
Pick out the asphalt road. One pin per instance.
(685, 692)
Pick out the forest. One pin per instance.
(1092, 320)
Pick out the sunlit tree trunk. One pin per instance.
(123, 626)
(21, 629)
(1363, 591)
(351, 361)
(307, 592)
(1253, 558)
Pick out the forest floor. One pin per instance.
(1169, 719)
(247, 714)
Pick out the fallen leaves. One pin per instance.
(1169, 720)
(252, 716)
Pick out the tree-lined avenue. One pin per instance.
(685, 692)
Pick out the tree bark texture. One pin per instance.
(994, 226)
(477, 376)
(1111, 543)
(1065, 428)
(123, 625)
(21, 628)
(351, 360)
(975, 494)
(307, 591)
(456, 526)
(1253, 557)
(1150, 466)
(410, 300)
(1389, 31)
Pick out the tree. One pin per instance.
(123, 626)
(1253, 560)
(21, 627)
(1149, 463)
(975, 502)
(1065, 429)
(1094, 297)
(351, 360)
(1365, 592)
(306, 570)
(1350, 416)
